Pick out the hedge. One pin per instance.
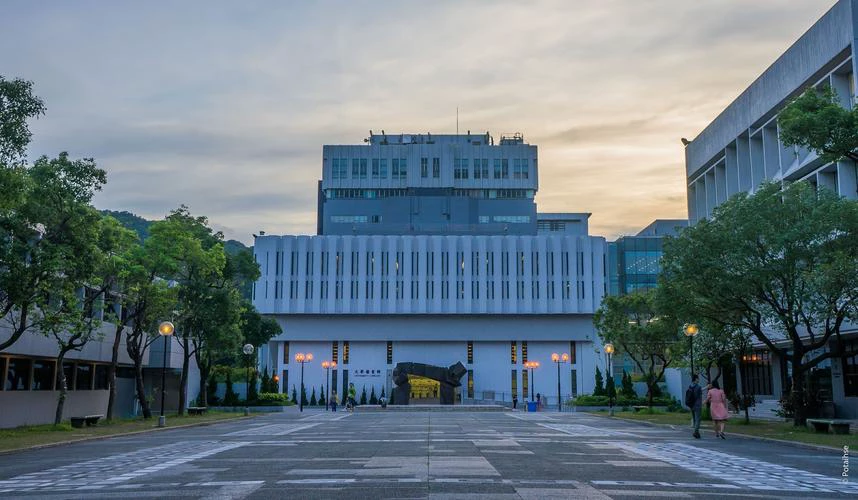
(590, 400)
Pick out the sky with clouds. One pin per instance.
(225, 106)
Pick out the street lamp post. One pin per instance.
(559, 358)
(302, 358)
(609, 369)
(328, 365)
(248, 350)
(691, 330)
(165, 329)
(531, 365)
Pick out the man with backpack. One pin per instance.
(694, 402)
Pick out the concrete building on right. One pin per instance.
(741, 149)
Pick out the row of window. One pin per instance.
(368, 290)
(373, 194)
(355, 219)
(28, 374)
(364, 168)
(396, 265)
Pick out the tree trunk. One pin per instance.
(111, 375)
(798, 390)
(141, 389)
(62, 386)
(183, 383)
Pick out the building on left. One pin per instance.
(28, 377)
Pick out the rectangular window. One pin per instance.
(471, 384)
(284, 382)
(102, 373)
(525, 168)
(524, 391)
(524, 351)
(505, 168)
(84, 377)
(395, 163)
(68, 374)
(403, 168)
(574, 384)
(389, 352)
(345, 394)
(513, 353)
(485, 168)
(363, 163)
(285, 353)
(436, 167)
(470, 352)
(375, 170)
(514, 383)
(476, 168)
(17, 375)
(43, 375)
(355, 168)
(572, 353)
(850, 368)
(345, 352)
(382, 171)
(424, 167)
(497, 168)
(335, 351)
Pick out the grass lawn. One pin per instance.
(761, 428)
(26, 436)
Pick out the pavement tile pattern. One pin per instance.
(456, 455)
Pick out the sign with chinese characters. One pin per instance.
(362, 372)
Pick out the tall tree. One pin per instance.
(782, 264)
(637, 326)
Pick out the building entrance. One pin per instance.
(424, 390)
(445, 379)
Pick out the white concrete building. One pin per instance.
(456, 285)
(741, 148)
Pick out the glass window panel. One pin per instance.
(102, 380)
(84, 377)
(18, 374)
(43, 375)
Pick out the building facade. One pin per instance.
(741, 148)
(430, 250)
(634, 262)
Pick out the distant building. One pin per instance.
(740, 149)
(634, 262)
(430, 250)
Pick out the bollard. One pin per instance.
(246, 411)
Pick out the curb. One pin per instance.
(817, 447)
(123, 434)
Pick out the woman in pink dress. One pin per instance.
(718, 407)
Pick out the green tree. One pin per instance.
(17, 106)
(294, 395)
(212, 387)
(821, 121)
(639, 327)
(304, 401)
(599, 389)
(373, 399)
(313, 400)
(265, 384)
(628, 389)
(230, 398)
(322, 396)
(781, 264)
(610, 387)
(363, 396)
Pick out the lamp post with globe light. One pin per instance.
(165, 329)
(531, 365)
(690, 330)
(327, 365)
(609, 372)
(302, 358)
(559, 358)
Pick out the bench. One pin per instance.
(89, 420)
(196, 410)
(823, 424)
(639, 408)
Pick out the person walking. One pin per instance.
(335, 400)
(694, 402)
(717, 407)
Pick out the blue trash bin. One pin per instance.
(531, 406)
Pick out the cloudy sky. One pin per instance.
(224, 106)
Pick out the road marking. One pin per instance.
(579, 430)
(746, 472)
(272, 430)
(108, 471)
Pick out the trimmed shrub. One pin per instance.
(230, 398)
(274, 399)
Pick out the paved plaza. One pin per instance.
(374, 455)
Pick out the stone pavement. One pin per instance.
(423, 455)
